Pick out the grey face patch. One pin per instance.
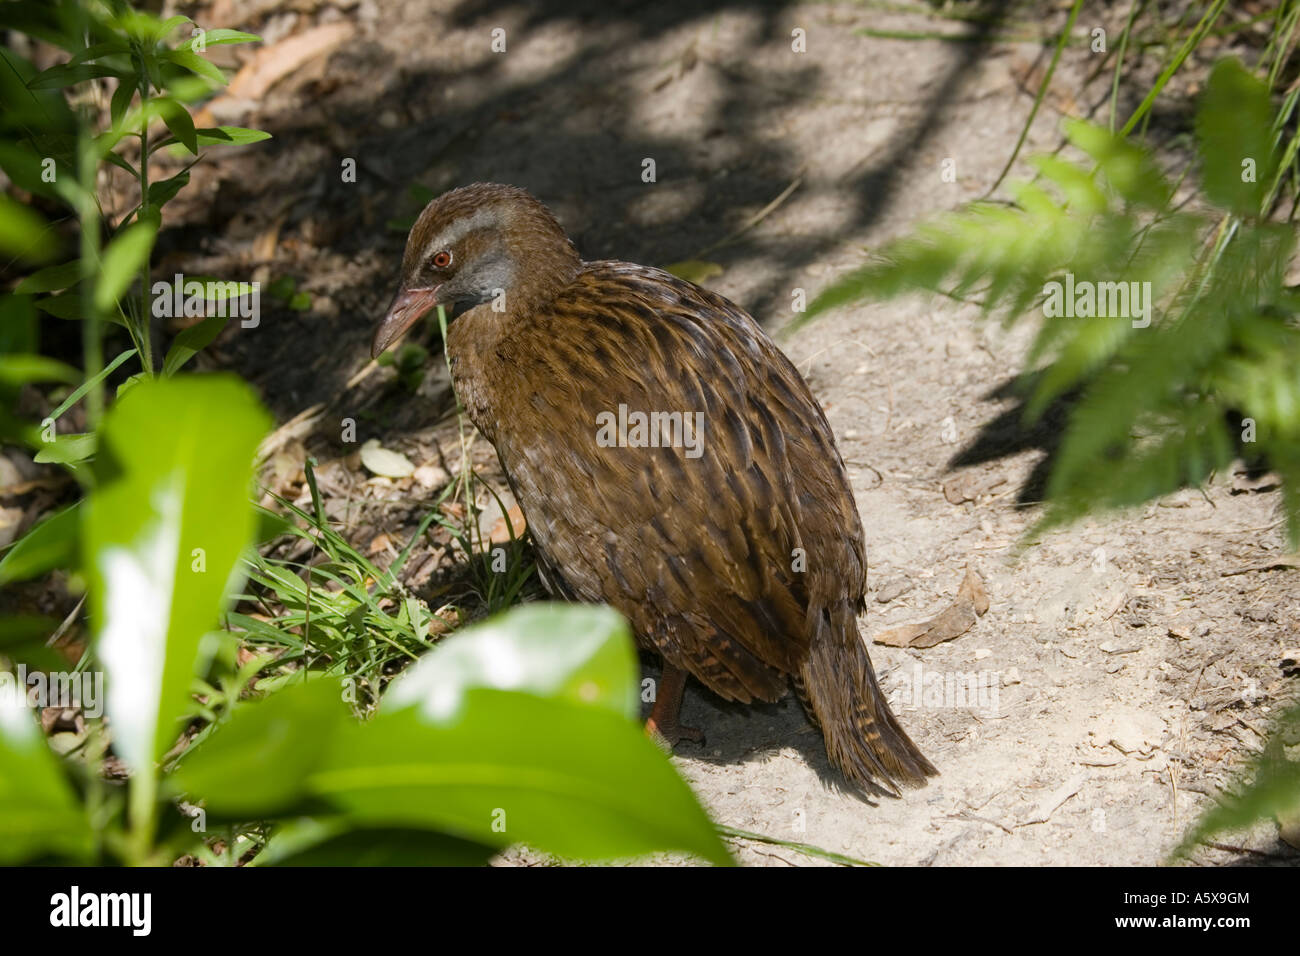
(481, 279)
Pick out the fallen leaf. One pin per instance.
(972, 588)
(381, 461)
(500, 533)
(950, 623)
(268, 66)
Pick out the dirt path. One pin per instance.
(1124, 666)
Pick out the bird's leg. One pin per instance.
(662, 726)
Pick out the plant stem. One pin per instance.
(92, 345)
(144, 333)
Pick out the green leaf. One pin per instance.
(120, 103)
(1128, 169)
(333, 842)
(1234, 135)
(575, 652)
(168, 25)
(20, 369)
(571, 779)
(48, 545)
(257, 763)
(221, 36)
(18, 629)
(1271, 790)
(190, 342)
(67, 449)
(95, 51)
(58, 77)
(195, 64)
(231, 135)
(162, 537)
(71, 307)
(130, 382)
(181, 124)
(51, 278)
(24, 233)
(90, 383)
(163, 192)
(38, 812)
(125, 257)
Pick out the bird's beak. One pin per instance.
(405, 311)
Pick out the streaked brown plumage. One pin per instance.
(743, 566)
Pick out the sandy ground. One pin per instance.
(1124, 665)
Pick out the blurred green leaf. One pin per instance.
(256, 764)
(162, 537)
(21, 369)
(221, 36)
(24, 233)
(1127, 168)
(122, 262)
(195, 64)
(1271, 789)
(117, 45)
(67, 449)
(63, 75)
(17, 629)
(38, 813)
(314, 842)
(570, 779)
(51, 278)
(48, 545)
(575, 652)
(1234, 134)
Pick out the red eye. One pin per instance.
(442, 259)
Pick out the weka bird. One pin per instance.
(740, 558)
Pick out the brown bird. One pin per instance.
(669, 460)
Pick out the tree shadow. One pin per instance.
(570, 135)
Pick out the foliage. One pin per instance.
(1209, 368)
(1167, 393)
(1271, 790)
(521, 729)
(54, 143)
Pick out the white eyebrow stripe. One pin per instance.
(457, 231)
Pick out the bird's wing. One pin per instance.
(723, 548)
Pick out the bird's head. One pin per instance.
(477, 244)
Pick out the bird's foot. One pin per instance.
(667, 734)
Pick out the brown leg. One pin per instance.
(662, 726)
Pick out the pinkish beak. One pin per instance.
(409, 306)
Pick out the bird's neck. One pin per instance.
(481, 342)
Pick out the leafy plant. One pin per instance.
(521, 729)
(1269, 789)
(343, 615)
(54, 142)
(1207, 368)
(1168, 390)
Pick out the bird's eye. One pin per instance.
(442, 259)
